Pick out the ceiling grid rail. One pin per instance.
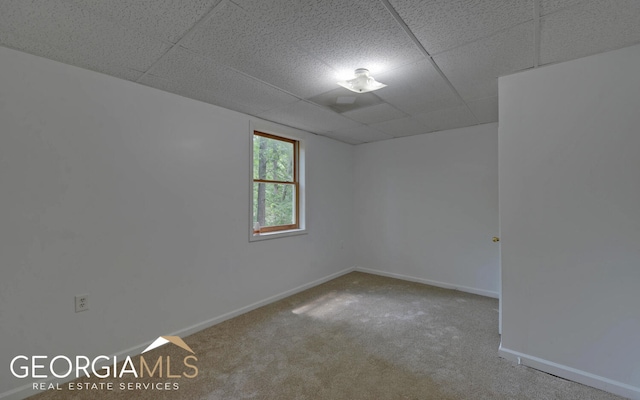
(424, 51)
(206, 17)
(536, 33)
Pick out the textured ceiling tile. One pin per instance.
(229, 33)
(361, 134)
(473, 69)
(75, 35)
(198, 93)
(233, 37)
(449, 118)
(342, 138)
(593, 27)
(444, 24)
(332, 99)
(165, 19)
(374, 114)
(68, 56)
(193, 71)
(485, 110)
(344, 34)
(416, 88)
(550, 6)
(308, 117)
(401, 127)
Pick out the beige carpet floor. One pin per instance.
(359, 336)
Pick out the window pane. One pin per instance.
(272, 159)
(274, 204)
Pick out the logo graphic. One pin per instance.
(162, 340)
(167, 371)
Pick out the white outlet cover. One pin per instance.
(82, 302)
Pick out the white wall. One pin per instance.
(570, 219)
(139, 198)
(426, 208)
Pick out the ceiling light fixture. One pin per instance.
(362, 83)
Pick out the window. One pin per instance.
(276, 189)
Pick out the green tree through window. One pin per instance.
(275, 182)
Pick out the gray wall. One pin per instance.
(426, 208)
(139, 198)
(569, 139)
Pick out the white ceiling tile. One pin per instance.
(235, 38)
(308, 117)
(551, 6)
(68, 56)
(485, 110)
(228, 31)
(343, 139)
(416, 88)
(165, 19)
(75, 36)
(193, 71)
(360, 134)
(376, 113)
(198, 93)
(344, 34)
(331, 98)
(401, 127)
(444, 24)
(449, 118)
(473, 69)
(592, 27)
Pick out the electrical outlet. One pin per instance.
(82, 302)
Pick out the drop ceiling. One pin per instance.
(280, 59)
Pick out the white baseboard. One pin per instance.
(25, 391)
(214, 321)
(572, 374)
(481, 292)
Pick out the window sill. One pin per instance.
(275, 235)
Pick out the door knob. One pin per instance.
(495, 239)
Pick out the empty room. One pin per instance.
(320, 199)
